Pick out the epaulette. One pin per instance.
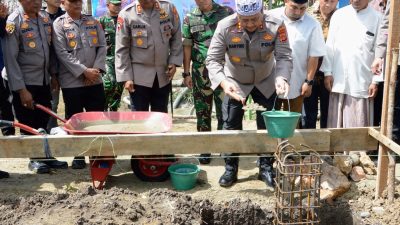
(59, 19)
(229, 21)
(272, 19)
(129, 6)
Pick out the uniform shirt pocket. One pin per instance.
(30, 41)
(266, 49)
(237, 53)
(72, 40)
(368, 41)
(139, 38)
(92, 38)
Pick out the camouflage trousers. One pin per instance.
(203, 99)
(112, 89)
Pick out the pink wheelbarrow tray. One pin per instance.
(155, 168)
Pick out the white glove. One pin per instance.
(282, 87)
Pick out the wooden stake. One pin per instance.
(392, 91)
(393, 40)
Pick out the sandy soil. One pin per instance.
(66, 197)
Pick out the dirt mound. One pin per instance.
(120, 206)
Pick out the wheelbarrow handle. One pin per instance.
(6, 123)
(49, 111)
(26, 128)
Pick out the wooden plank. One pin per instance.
(389, 143)
(183, 143)
(351, 139)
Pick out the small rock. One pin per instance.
(357, 173)
(365, 214)
(367, 164)
(344, 163)
(355, 158)
(378, 210)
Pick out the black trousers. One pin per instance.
(6, 112)
(88, 98)
(155, 98)
(232, 113)
(33, 118)
(311, 103)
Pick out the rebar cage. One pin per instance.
(297, 185)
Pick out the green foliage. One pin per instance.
(275, 3)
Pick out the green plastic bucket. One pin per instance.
(280, 124)
(183, 176)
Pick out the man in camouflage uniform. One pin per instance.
(112, 89)
(198, 28)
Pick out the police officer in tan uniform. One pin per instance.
(249, 54)
(29, 62)
(148, 49)
(80, 45)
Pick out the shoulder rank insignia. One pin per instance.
(10, 27)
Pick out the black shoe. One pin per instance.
(230, 175)
(267, 176)
(4, 174)
(228, 178)
(266, 171)
(79, 163)
(55, 164)
(38, 167)
(205, 158)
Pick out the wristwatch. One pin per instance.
(184, 75)
(309, 82)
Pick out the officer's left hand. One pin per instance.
(306, 90)
(372, 90)
(170, 71)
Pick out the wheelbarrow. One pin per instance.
(146, 168)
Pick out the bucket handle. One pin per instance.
(287, 98)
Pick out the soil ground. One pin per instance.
(66, 197)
